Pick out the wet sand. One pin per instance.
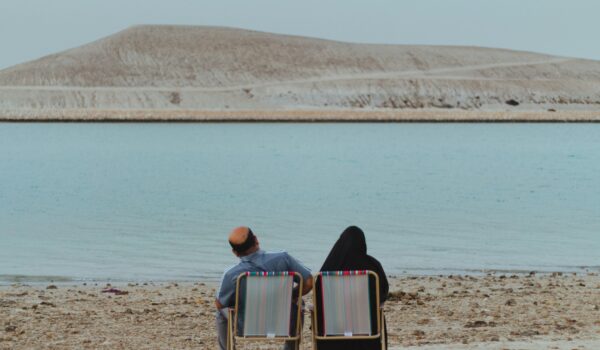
(431, 313)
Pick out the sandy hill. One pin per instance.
(187, 68)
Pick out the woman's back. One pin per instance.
(350, 253)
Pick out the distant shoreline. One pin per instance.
(300, 115)
(198, 73)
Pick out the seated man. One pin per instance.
(245, 245)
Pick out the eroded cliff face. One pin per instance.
(208, 68)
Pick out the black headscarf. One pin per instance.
(350, 253)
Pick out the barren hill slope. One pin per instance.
(211, 68)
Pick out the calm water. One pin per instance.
(156, 201)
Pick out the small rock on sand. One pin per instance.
(476, 324)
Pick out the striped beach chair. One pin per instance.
(344, 308)
(265, 309)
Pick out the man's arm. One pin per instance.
(295, 265)
(226, 294)
(308, 285)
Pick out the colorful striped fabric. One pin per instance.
(269, 273)
(346, 303)
(268, 301)
(344, 273)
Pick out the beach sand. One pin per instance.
(430, 313)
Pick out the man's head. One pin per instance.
(243, 241)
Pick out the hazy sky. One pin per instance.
(33, 28)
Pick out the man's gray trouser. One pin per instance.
(222, 331)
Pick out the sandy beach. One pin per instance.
(445, 312)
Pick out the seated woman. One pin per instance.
(350, 253)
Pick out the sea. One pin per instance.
(155, 202)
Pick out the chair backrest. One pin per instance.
(264, 307)
(346, 305)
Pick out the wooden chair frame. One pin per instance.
(232, 320)
(379, 312)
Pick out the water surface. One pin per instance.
(156, 201)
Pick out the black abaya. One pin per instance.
(350, 253)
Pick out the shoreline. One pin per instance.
(7, 280)
(531, 311)
(302, 116)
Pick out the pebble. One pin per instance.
(476, 324)
(419, 333)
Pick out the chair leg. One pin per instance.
(301, 329)
(299, 338)
(228, 334)
(383, 335)
(230, 344)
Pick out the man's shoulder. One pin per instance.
(233, 270)
(284, 261)
(276, 254)
(280, 255)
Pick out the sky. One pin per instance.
(30, 29)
